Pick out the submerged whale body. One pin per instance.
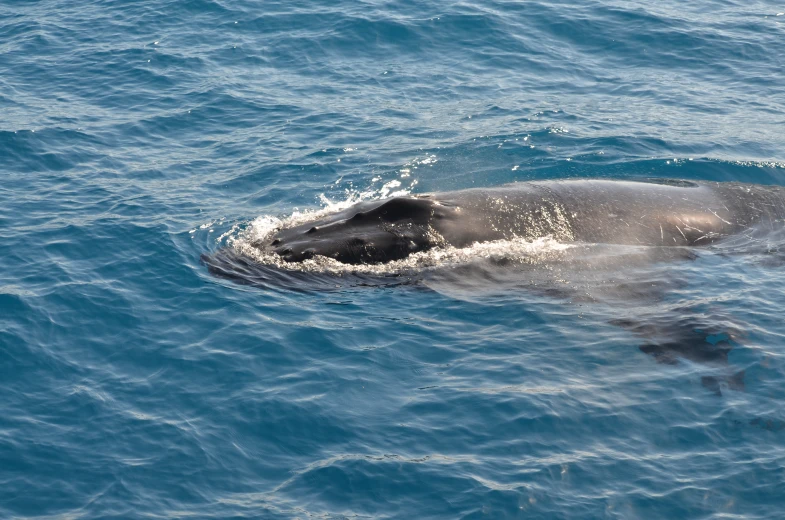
(625, 284)
(649, 213)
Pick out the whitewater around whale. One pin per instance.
(641, 213)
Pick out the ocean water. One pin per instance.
(526, 380)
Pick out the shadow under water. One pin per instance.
(683, 334)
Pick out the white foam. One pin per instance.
(263, 228)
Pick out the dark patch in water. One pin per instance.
(671, 338)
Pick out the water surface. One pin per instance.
(136, 137)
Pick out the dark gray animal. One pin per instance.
(654, 213)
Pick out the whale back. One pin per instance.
(653, 213)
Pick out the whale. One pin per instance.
(649, 212)
(662, 219)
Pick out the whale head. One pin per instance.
(366, 233)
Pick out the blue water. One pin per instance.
(137, 136)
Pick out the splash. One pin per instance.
(530, 249)
(513, 251)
